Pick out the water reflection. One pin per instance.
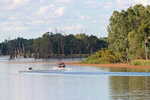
(130, 88)
(15, 86)
(39, 87)
(129, 69)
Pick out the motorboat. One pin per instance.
(61, 65)
(30, 68)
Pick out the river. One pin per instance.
(19, 86)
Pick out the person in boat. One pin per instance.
(61, 65)
(30, 68)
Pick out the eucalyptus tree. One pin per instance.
(128, 32)
(52, 45)
(57, 44)
(47, 40)
(118, 32)
(82, 43)
(38, 45)
(4, 48)
(94, 44)
(145, 34)
(71, 44)
(61, 41)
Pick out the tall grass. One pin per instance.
(140, 62)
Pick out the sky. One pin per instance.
(32, 18)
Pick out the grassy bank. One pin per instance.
(140, 62)
(108, 57)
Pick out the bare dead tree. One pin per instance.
(10, 48)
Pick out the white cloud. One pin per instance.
(51, 11)
(45, 15)
(94, 21)
(105, 16)
(60, 11)
(20, 2)
(41, 1)
(101, 19)
(12, 18)
(46, 9)
(12, 29)
(93, 4)
(12, 4)
(11, 23)
(82, 17)
(50, 29)
(35, 22)
(133, 2)
(123, 4)
(109, 5)
(74, 28)
(6, 1)
(64, 1)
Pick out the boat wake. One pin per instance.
(61, 69)
(82, 73)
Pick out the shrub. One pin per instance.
(140, 62)
(102, 57)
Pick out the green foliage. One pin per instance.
(135, 49)
(50, 44)
(102, 57)
(129, 32)
(19, 46)
(141, 62)
(53, 45)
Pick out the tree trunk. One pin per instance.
(91, 51)
(146, 49)
(0, 52)
(71, 53)
(62, 52)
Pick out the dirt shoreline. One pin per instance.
(112, 65)
(76, 63)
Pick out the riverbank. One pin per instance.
(112, 65)
(76, 63)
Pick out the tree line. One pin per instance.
(128, 37)
(129, 33)
(52, 45)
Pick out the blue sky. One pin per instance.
(33, 18)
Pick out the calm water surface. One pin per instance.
(17, 86)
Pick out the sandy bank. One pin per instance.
(112, 65)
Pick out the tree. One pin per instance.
(38, 47)
(52, 45)
(61, 41)
(128, 32)
(71, 44)
(93, 43)
(145, 34)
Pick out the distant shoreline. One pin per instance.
(76, 63)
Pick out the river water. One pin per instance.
(19, 86)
